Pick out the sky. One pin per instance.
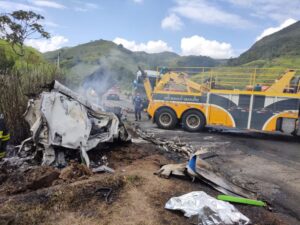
(215, 28)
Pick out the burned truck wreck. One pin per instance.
(63, 121)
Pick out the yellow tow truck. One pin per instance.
(255, 99)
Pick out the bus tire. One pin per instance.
(193, 121)
(166, 118)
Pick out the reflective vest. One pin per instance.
(4, 137)
(4, 134)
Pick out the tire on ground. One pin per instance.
(193, 120)
(166, 118)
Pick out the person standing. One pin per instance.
(4, 136)
(257, 87)
(137, 101)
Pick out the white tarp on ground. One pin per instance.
(209, 210)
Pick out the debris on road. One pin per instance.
(167, 145)
(171, 169)
(209, 210)
(62, 120)
(198, 168)
(103, 168)
(208, 155)
(139, 141)
(246, 201)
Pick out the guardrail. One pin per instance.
(237, 78)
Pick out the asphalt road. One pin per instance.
(268, 164)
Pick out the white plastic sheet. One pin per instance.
(209, 210)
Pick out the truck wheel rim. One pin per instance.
(165, 119)
(193, 121)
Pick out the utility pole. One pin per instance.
(58, 60)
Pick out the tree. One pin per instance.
(19, 25)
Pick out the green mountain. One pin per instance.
(121, 63)
(281, 49)
(9, 59)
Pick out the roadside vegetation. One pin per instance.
(23, 70)
(22, 78)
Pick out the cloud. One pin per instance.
(45, 45)
(85, 6)
(278, 10)
(172, 22)
(197, 45)
(50, 24)
(150, 46)
(138, 1)
(204, 11)
(48, 4)
(6, 6)
(2, 33)
(272, 30)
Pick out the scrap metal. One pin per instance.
(62, 119)
(198, 168)
(183, 148)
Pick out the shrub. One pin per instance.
(17, 85)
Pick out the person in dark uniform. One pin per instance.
(138, 105)
(257, 87)
(4, 136)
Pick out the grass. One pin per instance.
(50, 205)
(16, 87)
(30, 58)
(284, 62)
(232, 77)
(134, 180)
(238, 77)
(21, 78)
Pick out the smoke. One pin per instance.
(97, 83)
(93, 76)
(100, 81)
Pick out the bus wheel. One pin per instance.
(193, 121)
(166, 118)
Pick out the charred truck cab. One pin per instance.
(253, 99)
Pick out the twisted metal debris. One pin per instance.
(61, 120)
(176, 146)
